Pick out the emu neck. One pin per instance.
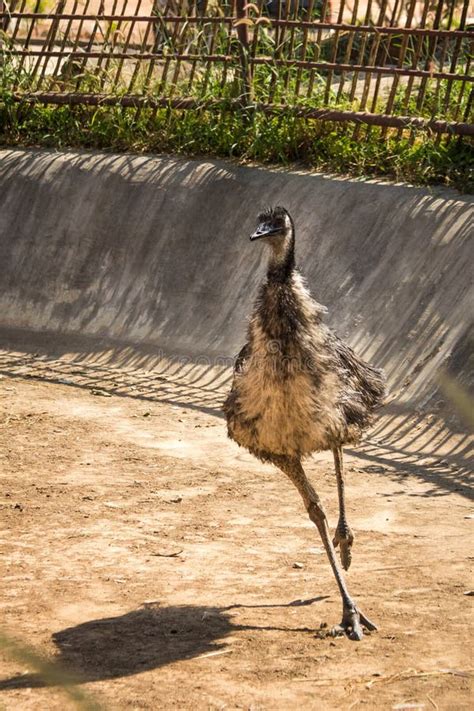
(282, 261)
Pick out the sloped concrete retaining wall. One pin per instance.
(155, 251)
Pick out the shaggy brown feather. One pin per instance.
(297, 387)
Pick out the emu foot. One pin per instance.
(353, 620)
(344, 538)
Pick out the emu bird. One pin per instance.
(297, 389)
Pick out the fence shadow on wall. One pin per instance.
(402, 443)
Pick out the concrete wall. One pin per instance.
(155, 251)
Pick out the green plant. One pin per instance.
(51, 674)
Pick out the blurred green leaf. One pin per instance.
(52, 674)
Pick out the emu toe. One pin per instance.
(353, 620)
(344, 538)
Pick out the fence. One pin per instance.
(392, 63)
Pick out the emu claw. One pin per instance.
(351, 624)
(344, 538)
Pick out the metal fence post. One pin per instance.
(244, 48)
(4, 21)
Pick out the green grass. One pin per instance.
(247, 136)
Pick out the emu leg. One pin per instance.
(343, 535)
(352, 618)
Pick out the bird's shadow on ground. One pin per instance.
(144, 639)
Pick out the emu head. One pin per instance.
(275, 226)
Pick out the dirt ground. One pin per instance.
(170, 570)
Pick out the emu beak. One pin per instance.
(264, 231)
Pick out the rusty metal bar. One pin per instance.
(279, 35)
(12, 35)
(374, 50)
(408, 122)
(244, 49)
(111, 32)
(327, 66)
(82, 68)
(403, 50)
(211, 49)
(156, 40)
(69, 68)
(315, 25)
(6, 14)
(442, 60)
(5, 20)
(51, 39)
(324, 12)
(100, 72)
(28, 37)
(355, 75)
(469, 106)
(432, 42)
(347, 54)
(456, 52)
(387, 49)
(128, 38)
(199, 40)
(111, 17)
(327, 91)
(461, 94)
(180, 47)
(144, 44)
(291, 43)
(416, 56)
(361, 53)
(64, 41)
(324, 66)
(304, 48)
(168, 57)
(225, 67)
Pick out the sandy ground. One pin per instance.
(154, 558)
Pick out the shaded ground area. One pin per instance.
(157, 560)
